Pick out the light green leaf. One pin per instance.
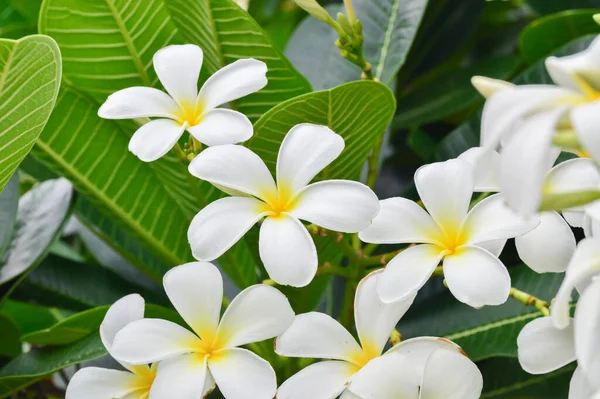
(484, 333)
(227, 33)
(32, 366)
(9, 203)
(30, 71)
(10, 344)
(389, 28)
(29, 317)
(544, 35)
(43, 211)
(358, 111)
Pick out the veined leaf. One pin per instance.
(9, 203)
(358, 111)
(228, 33)
(32, 366)
(30, 71)
(389, 28)
(482, 333)
(42, 213)
(544, 35)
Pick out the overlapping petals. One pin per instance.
(285, 246)
(184, 108)
(191, 363)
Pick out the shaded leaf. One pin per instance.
(9, 203)
(29, 317)
(544, 7)
(10, 344)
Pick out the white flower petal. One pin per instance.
(446, 189)
(488, 86)
(126, 310)
(178, 69)
(486, 167)
(138, 102)
(305, 151)
(587, 326)
(549, 247)
(500, 115)
(577, 174)
(150, 340)
(495, 247)
(347, 394)
(574, 217)
(257, 313)
(236, 80)
(287, 251)
(222, 126)
(491, 219)
(323, 380)
(317, 335)
(339, 205)
(240, 374)
(591, 219)
(98, 383)
(234, 167)
(180, 377)
(451, 375)
(476, 277)
(585, 121)
(408, 272)
(580, 387)
(387, 377)
(196, 291)
(418, 350)
(582, 65)
(584, 264)
(544, 348)
(526, 160)
(219, 225)
(401, 221)
(155, 139)
(375, 319)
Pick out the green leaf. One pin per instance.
(358, 111)
(29, 318)
(487, 332)
(60, 282)
(389, 28)
(85, 323)
(10, 344)
(30, 9)
(30, 71)
(33, 366)
(449, 92)
(43, 211)
(504, 379)
(557, 202)
(227, 33)
(13, 23)
(544, 7)
(544, 35)
(9, 203)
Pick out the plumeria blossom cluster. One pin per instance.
(469, 208)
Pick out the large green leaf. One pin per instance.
(389, 28)
(10, 344)
(504, 379)
(13, 23)
(358, 111)
(482, 333)
(33, 366)
(30, 71)
(9, 203)
(30, 9)
(29, 317)
(60, 282)
(544, 35)
(544, 7)
(228, 33)
(42, 213)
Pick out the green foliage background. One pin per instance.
(123, 223)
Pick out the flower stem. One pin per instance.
(530, 300)
(380, 260)
(338, 239)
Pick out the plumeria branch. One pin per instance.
(530, 300)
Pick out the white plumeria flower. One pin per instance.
(285, 246)
(469, 242)
(317, 335)
(184, 108)
(583, 268)
(191, 363)
(543, 349)
(550, 246)
(99, 383)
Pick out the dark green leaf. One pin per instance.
(30, 317)
(30, 9)
(14, 24)
(9, 203)
(544, 7)
(545, 35)
(10, 344)
(483, 333)
(358, 111)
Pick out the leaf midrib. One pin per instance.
(387, 38)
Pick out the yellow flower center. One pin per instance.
(192, 113)
(451, 241)
(279, 202)
(145, 378)
(589, 92)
